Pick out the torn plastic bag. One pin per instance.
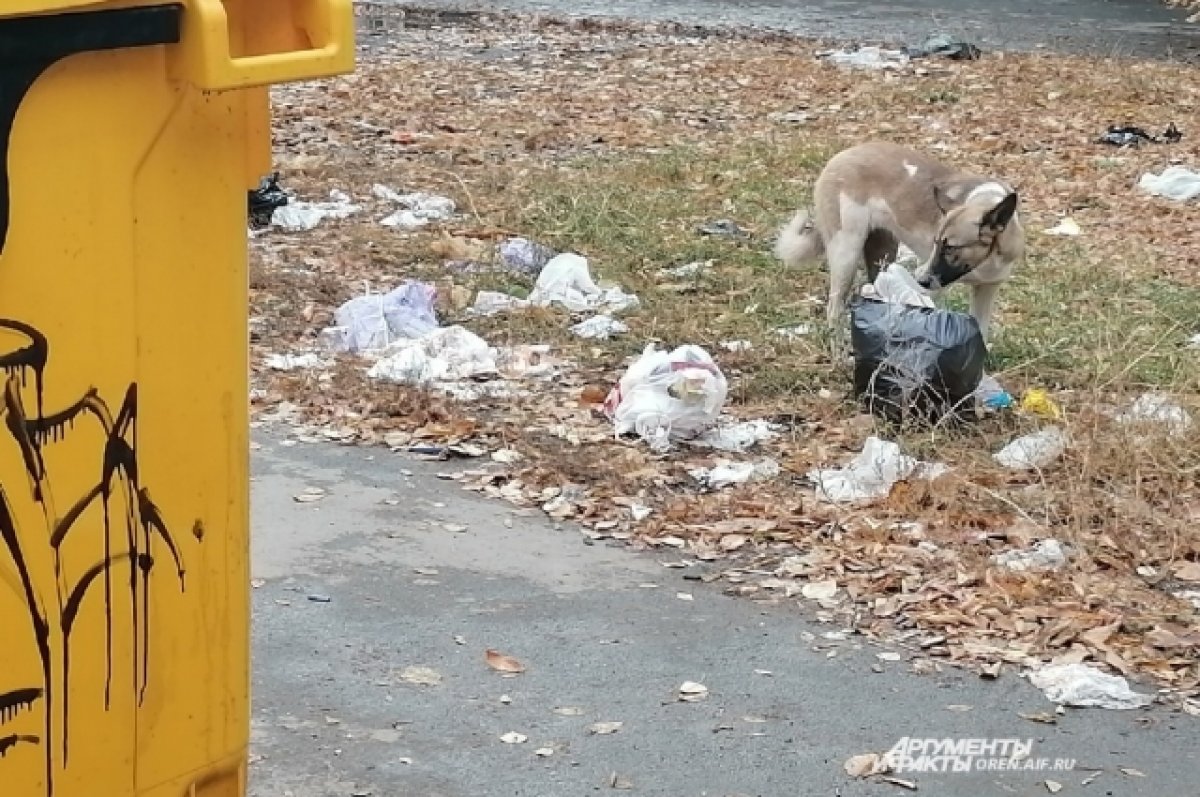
(373, 321)
(915, 362)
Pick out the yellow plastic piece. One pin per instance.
(124, 540)
(1037, 401)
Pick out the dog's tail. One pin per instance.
(799, 244)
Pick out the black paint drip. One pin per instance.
(13, 703)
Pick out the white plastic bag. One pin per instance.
(897, 286)
(373, 321)
(668, 395)
(567, 280)
(1033, 451)
(1084, 686)
(1175, 183)
(872, 473)
(446, 354)
(299, 216)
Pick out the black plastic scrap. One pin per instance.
(1130, 136)
(942, 46)
(264, 199)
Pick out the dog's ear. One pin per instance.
(998, 217)
(949, 193)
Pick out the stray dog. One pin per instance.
(874, 196)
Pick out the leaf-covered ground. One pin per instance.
(618, 142)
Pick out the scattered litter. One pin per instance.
(1175, 183)
(691, 692)
(665, 395)
(417, 209)
(1158, 408)
(736, 346)
(795, 331)
(1067, 227)
(605, 728)
(1044, 555)
(640, 512)
(506, 456)
(524, 256)
(872, 473)
(262, 201)
(737, 437)
(1131, 136)
(990, 394)
(722, 228)
(501, 663)
(1194, 341)
(566, 280)
(911, 358)
(304, 216)
(512, 737)
(294, 362)
(1084, 686)
(687, 270)
(309, 495)
(1033, 451)
(568, 711)
(544, 752)
(373, 321)
(317, 597)
(446, 354)
(599, 327)
(866, 58)
(422, 676)
(494, 302)
(1037, 401)
(1053, 786)
(726, 473)
(941, 45)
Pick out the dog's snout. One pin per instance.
(925, 281)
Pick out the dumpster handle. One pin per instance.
(330, 28)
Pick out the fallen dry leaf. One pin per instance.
(1133, 773)
(1053, 786)
(904, 784)
(501, 663)
(1187, 571)
(1044, 717)
(309, 495)
(569, 711)
(544, 752)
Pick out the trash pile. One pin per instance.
(1131, 136)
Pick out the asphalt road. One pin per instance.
(396, 569)
(1142, 28)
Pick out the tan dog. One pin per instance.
(874, 196)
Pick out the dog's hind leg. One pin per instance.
(879, 250)
(844, 254)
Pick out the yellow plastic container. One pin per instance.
(130, 133)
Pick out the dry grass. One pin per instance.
(619, 145)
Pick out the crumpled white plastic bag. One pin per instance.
(1175, 183)
(667, 395)
(872, 473)
(896, 285)
(299, 216)
(1033, 451)
(373, 321)
(567, 280)
(1086, 687)
(416, 209)
(446, 354)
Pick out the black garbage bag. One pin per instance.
(915, 363)
(263, 200)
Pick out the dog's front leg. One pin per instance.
(983, 300)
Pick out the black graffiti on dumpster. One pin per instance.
(128, 538)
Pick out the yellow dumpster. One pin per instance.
(130, 132)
